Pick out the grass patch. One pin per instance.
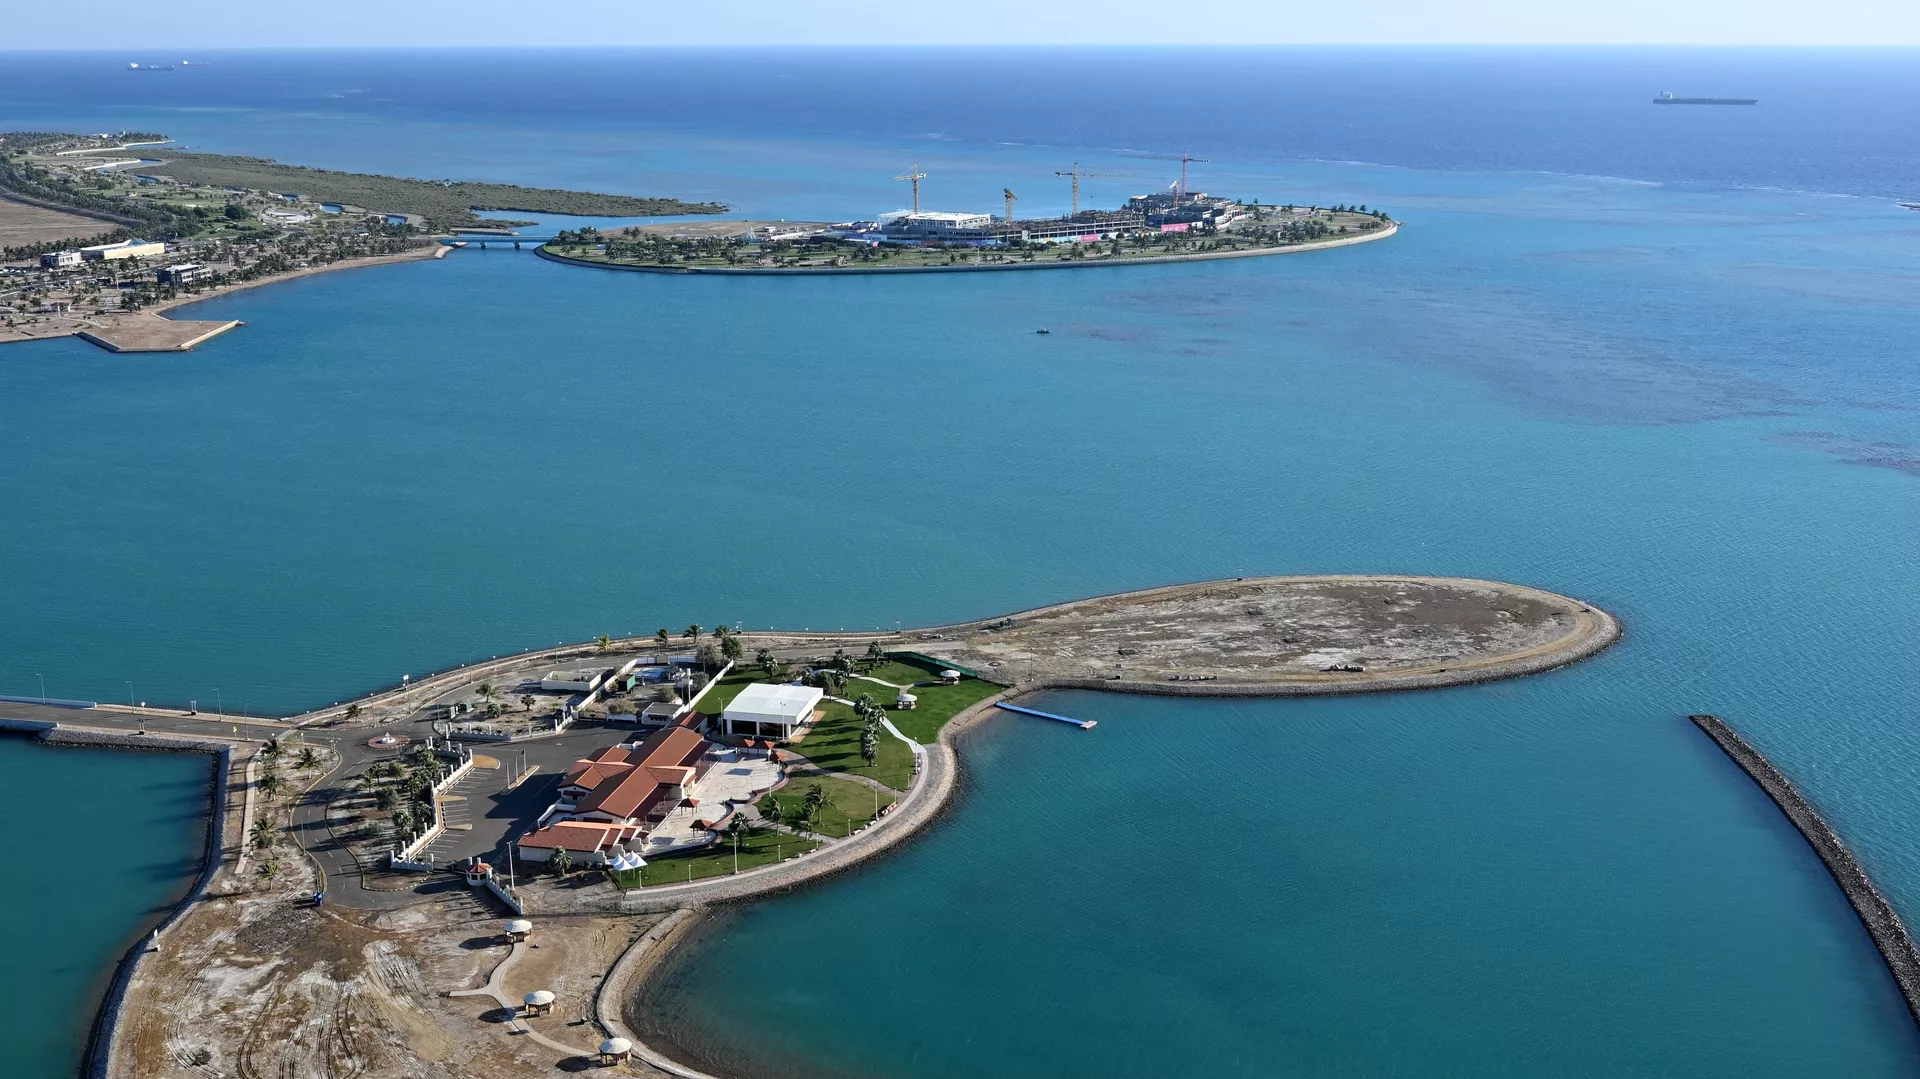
(849, 804)
(937, 705)
(834, 744)
(760, 846)
(716, 699)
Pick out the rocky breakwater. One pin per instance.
(1883, 923)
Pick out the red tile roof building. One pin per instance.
(619, 794)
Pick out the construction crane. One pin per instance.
(1008, 192)
(1180, 192)
(915, 175)
(1184, 159)
(1078, 174)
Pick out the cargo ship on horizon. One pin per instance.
(1666, 98)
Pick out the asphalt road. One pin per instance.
(490, 812)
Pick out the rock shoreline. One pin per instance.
(1883, 924)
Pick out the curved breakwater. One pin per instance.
(1883, 924)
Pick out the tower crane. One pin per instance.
(1077, 173)
(915, 175)
(1008, 192)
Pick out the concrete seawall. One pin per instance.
(1883, 924)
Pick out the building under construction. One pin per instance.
(1173, 210)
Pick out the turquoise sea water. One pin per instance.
(1685, 394)
(100, 844)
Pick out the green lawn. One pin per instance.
(848, 806)
(760, 846)
(834, 744)
(936, 704)
(715, 700)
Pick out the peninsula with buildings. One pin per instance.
(100, 234)
(1174, 225)
(474, 871)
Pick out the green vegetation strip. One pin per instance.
(758, 847)
(444, 203)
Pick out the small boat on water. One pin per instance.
(1043, 330)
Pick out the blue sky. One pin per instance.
(44, 24)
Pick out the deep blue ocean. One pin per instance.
(1659, 358)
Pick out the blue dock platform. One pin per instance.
(1083, 724)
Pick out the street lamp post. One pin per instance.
(129, 693)
(43, 688)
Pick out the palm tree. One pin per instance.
(764, 657)
(268, 869)
(271, 750)
(263, 836)
(526, 702)
(735, 830)
(603, 643)
(693, 631)
(816, 797)
(308, 758)
(661, 635)
(869, 746)
(269, 784)
(487, 691)
(561, 863)
(353, 711)
(874, 654)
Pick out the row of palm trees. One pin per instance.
(265, 834)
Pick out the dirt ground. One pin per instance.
(21, 224)
(260, 985)
(1272, 630)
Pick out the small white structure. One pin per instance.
(538, 1002)
(570, 681)
(519, 929)
(59, 260)
(764, 711)
(906, 701)
(615, 1050)
(949, 678)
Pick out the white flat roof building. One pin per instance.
(763, 711)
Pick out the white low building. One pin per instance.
(125, 249)
(571, 681)
(764, 711)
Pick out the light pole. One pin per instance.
(43, 688)
(217, 707)
(129, 693)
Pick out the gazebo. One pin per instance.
(538, 1002)
(615, 1050)
(905, 700)
(519, 929)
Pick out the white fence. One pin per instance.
(406, 856)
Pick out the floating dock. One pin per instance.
(1083, 724)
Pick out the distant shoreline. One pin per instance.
(1055, 264)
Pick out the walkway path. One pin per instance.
(497, 989)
